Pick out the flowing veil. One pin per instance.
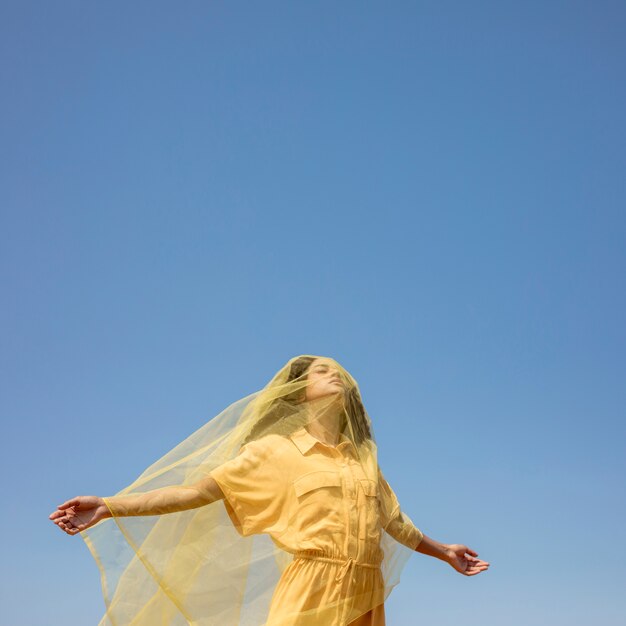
(194, 567)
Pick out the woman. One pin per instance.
(310, 532)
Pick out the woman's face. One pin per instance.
(324, 379)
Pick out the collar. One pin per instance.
(304, 440)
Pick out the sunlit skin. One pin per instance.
(324, 397)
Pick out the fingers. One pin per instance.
(68, 527)
(476, 567)
(466, 564)
(70, 503)
(473, 572)
(64, 525)
(61, 515)
(477, 570)
(66, 521)
(65, 516)
(471, 559)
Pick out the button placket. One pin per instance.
(351, 509)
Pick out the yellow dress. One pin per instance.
(317, 502)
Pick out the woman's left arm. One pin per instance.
(459, 556)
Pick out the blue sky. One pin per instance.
(430, 192)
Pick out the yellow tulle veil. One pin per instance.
(196, 567)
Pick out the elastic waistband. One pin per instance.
(329, 559)
(346, 562)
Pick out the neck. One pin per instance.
(324, 422)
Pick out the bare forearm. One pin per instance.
(164, 500)
(431, 547)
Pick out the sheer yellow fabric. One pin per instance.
(308, 533)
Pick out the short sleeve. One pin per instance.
(254, 490)
(393, 520)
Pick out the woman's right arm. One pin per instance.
(165, 500)
(82, 512)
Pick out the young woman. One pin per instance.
(309, 534)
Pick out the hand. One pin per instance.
(464, 560)
(79, 513)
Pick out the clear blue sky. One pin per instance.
(430, 192)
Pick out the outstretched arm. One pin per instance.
(165, 500)
(82, 512)
(402, 529)
(459, 556)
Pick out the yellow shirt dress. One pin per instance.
(317, 503)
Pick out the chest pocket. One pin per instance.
(319, 501)
(370, 527)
